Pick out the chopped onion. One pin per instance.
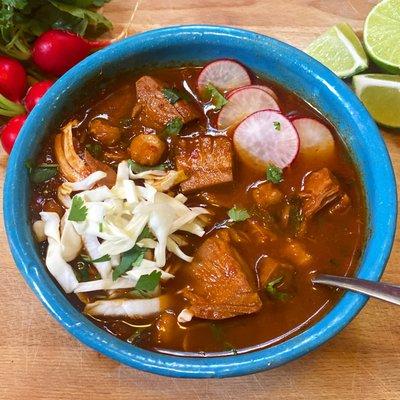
(185, 316)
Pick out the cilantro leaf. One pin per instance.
(78, 210)
(131, 258)
(295, 217)
(277, 125)
(137, 168)
(42, 172)
(274, 174)
(273, 291)
(21, 21)
(91, 17)
(94, 149)
(171, 95)
(147, 283)
(29, 166)
(238, 214)
(215, 96)
(173, 127)
(145, 234)
(82, 272)
(104, 258)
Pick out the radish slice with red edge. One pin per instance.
(266, 137)
(242, 102)
(262, 87)
(316, 139)
(224, 75)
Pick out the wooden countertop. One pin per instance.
(39, 360)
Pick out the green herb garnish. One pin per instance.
(145, 234)
(21, 21)
(272, 289)
(173, 127)
(218, 335)
(42, 172)
(104, 258)
(334, 262)
(237, 214)
(229, 347)
(274, 174)
(216, 331)
(94, 149)
(147, 283)
(137, 168)
(137, 334)
(129, 259)
(277, 125)
(29, 166)
(78, 210)
(295, 215)
(82, 271)
(171, 95)
(215, 96)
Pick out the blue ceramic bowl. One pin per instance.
(198, 44)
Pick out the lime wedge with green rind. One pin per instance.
(380, 94)
(382, 35)
(340, 50)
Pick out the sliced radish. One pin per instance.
(262, 87)
(243, 102)
(266, 137)
(224, 75)
(316, 139)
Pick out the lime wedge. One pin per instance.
(380, 93)
(340, 50)
(382, 35)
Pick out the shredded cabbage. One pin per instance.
(138, 308)
(55, 262)
(114, 223)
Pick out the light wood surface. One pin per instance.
(39, 360)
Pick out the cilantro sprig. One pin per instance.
(21, 21)
(147, 283)
(272, 289)
(173, 127)
(237, 214)
(78, 211)
(42, 172)
(274, 174)
(130, 259)
(137, 168)
(216, 98)
(172, 95)
(104, 258)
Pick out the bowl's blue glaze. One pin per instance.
(188, 44)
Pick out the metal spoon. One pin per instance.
(379, 290)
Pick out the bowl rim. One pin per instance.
(380, 243)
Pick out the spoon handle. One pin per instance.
(379, 290)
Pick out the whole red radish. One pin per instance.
(35, 93)
(56, 51)
(10, 130)
(12, 79)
